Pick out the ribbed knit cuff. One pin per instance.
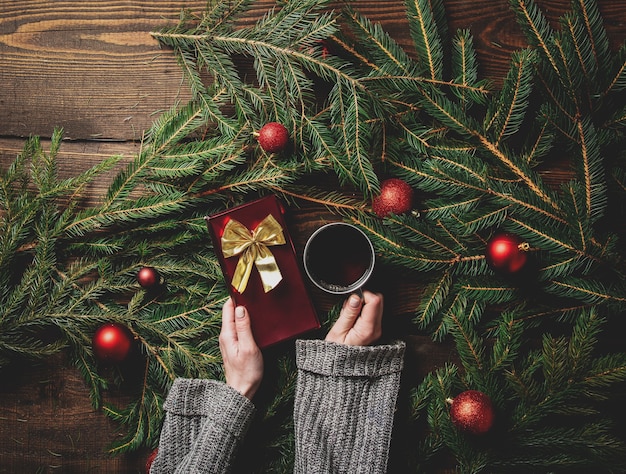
(329, 358)
(213, 399)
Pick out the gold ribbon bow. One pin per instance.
(252, 246)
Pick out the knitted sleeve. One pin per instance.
(344, 406)
(204, 422)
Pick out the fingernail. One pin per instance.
(354, 301)
(239, 312)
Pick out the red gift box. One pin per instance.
(279, 304)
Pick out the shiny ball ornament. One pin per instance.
(506, 253)
(472, 411)
(112, 342)
(147, 277)
(396, 197)
(150, 460)
(273, 137)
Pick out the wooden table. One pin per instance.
(94, 69)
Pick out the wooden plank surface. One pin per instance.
(93, 68)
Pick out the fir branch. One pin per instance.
(436, 179)
(484, 217)
(140, 413)
(487, 290)
(583, 342)
(451, 115)
(592, 170)
(537, 29)
(547, 238)
(586, 448)
(541, 144)
(444, 209)
(588, 291)
(508, 341)
(618, 80)
(383, 55)
(587, 13)
(423, 29)
(96, 383)
(583, 49)
(468, 342)
(465, 69)
(508, 111)
(435, 294)
(334, 201)
(396, 252)
(605, 372)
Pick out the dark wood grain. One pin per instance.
(93, 68)
(47, 423)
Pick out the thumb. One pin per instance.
(242, 326)
(349, 314)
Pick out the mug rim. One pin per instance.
(361, 280)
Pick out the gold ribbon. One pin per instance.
(252, 246)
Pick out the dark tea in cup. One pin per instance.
(339, 258)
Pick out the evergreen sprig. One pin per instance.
(358, 107)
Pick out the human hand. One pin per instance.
(360, 320)
(243, 360)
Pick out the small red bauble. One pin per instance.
(150, 460)
(112, 342)
(472, 411)
(506, 253)
(147, 277)
(396, 196)
(273, 137)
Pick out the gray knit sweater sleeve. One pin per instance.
(344, 406)
(204, 422)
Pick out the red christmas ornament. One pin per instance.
(472, 411)
(396, 196)
(150, 460)
(147, 277)
(273, 137)
(112, 342)
(506, 253)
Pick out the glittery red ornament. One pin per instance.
(147, 277)
(472, 411)
(150, 460)
(273, 137)
(396, 196)
(112, 342)
(506, 253)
